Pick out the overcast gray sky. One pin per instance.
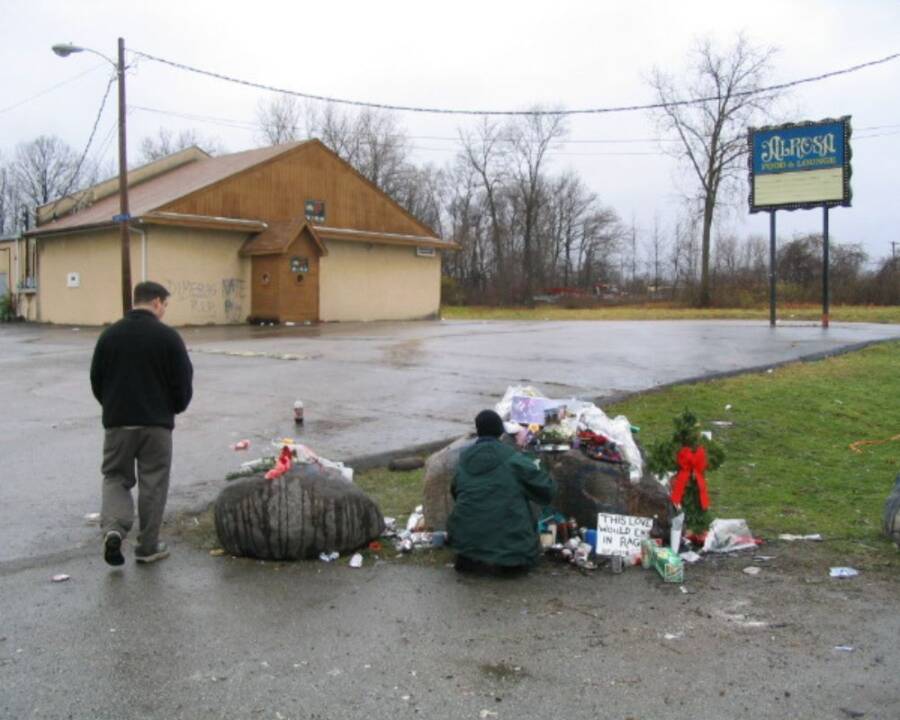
(478, 55)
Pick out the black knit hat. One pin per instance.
(488, 424)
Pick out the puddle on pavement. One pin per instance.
(502, 671)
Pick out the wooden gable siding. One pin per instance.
(278, 189)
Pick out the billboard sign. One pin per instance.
(800, 165)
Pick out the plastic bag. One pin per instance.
(727, 536)
(618, 430)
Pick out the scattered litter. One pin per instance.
(706, 434)
(290, 323)
(684, 590)
(329, 557)
(405, 698)
(752, 570)
(689, 556)
(855, 446)
(844, 648)
(375, 546)
(763, 558)
(241, 445)
(675, 532)
(92, 518)
(484, 714)
(217, 552)
(770, 371)
(673, 636)
(356, 561)
(722, 423)
(843, 572)
(663, 560)
(728, 536)
(334, 672)
(62, 577)
(416, 520)
(790, 537)
(728, 407)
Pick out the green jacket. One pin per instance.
(491, 520)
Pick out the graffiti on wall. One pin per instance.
(221, 301)
(234, 292)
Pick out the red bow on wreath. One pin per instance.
(690, 462)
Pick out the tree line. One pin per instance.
(527, 231)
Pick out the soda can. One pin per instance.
(616, 564)
(298, 412)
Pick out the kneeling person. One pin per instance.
(492, 525)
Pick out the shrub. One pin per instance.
(7, 308)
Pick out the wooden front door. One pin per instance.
(264, 285)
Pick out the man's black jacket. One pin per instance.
(141, 373)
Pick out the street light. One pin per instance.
(64, 50)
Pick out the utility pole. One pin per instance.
(124, 217)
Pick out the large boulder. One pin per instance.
(586, 487)
(439, 470)
(891, 523)
(306, 511)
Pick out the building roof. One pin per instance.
(165, 188)
(278, 236)
(158, 184)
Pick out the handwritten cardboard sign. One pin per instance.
(621, 534)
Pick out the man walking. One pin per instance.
(142, 376)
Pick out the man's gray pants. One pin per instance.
(142, 455)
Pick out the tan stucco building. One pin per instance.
(284, 233)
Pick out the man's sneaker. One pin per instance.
(160, 553)
(112, 548)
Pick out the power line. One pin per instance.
(249, 125)
(450, 111)
(87, 146)
(51, 88)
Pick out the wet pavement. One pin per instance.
(367, 388)
(204, 637)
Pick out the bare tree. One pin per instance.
(44, 169)
(165, 142)
(422, 191)
(710, 115)
(372, 141)
(482, 151)
(656, 247)
(279, 119)
(7, 218)
(530, 138)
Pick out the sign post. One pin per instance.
(800, 166)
